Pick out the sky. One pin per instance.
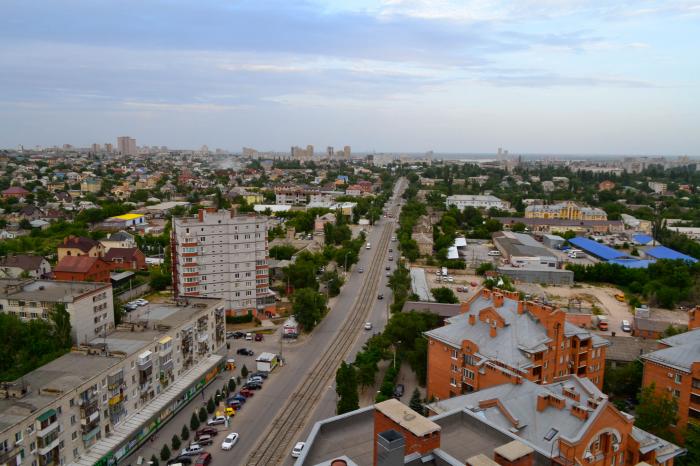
(548, 76)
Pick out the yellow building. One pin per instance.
(90, 185)
(565, 210)
(253, 198)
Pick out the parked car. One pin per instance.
(186, 460)
(255, 379)
(626, 326)
(391, 258)
(192, 450)
(388, 267)
(238, 335)
(141, 302)
(391, 250)
(259, 337)
(252, 386)
(211, 431)
(398, 390)
(360, 270)
(298, 448)
(229, 441)
(237, 397)
(459, 288)
(236, 404)
(368, 325)
(205, 440)
(246, 392)
(128, 307)
(380, 296)
(245, 352)
(204, 459)
(215, 421)
(249, 336)
(494, 253)
(229, 335)
(260, 374)
(388, 274)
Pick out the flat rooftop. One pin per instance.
(51, 381)
(46, 290)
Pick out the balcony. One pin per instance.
(145, 387)
(144, 362)
(89, 435)
(8, 456)
(50, 446)
(87, 420)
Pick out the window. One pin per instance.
(469, 359)
(468, 374)
(74, 435)
(676, 393)
(453, 367)
(72, 419)
(454, 354)
(679, 377)
(18, 436)
(453, 382)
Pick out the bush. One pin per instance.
(203, 414)
(240, 319)
(211, 407)
(231, 385)
(154, 461)
(244, 371)
(175, 442)
(185, 433)
(194, 422)
(165, 453)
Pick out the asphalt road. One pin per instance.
(252, 421)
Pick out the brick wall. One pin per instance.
(414, 444)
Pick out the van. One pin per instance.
(494, 253)
(369, 246)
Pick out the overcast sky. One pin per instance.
(549, 76)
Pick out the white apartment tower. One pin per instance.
(223, 255)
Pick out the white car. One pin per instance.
(626, 326)
(141, 302)
(192, 450)
(216, 420)
(249, 336)
(229, 441)
(494, 253)
(368, 325)
(296, 451)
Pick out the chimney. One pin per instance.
(234, 210)
(472, 319)
(390, 448)
(200, 215)
(485, 293)
(514, 453)
(480, 460)
(521, 307)
(694, 318)
(497, 299)
(493, 331)
(542, 402)
(580, 412)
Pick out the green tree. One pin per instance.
(25, 224)
(203, 414)
(624, 381)
(165, 453)
(231, 385)
(184, 433)
(282, 251)
(175, 442)
(416, 403)
(244, 371)
(518, 227)
(154, 460)
(61, 320)
(211, 407)
(159, 280)
(444, 295)
(308, 306)
(656, 412)
(346, 388)
(692, 444)
(484, 267)
(194, 422)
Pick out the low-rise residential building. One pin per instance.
(16, 192)
(567, 423)
(606, 185)
(658, 187)
(565, 210)
(125, 259)
(83, 269)
(479, 201)
(79, 246)
(89, 305)
(90, 185)
(24, 264)
(674, 370)
(119, 239)
(104, 399)
(500, 338)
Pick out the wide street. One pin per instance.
(257, 414)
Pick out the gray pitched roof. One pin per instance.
(522, 334)
(679, 357)
(693, 336)
(121, 236)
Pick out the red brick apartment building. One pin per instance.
(498, 338)
(674, 369)
(82, 269)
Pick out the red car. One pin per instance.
(247, 393)
(212, 431)
(258, 337)
(203, 459)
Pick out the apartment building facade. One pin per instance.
(89, 305)
(566, 211)
(498, 338)
(479, 201)
(223, 255)
(674, 369)
(74, 410)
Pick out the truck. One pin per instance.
(444, 271)
(601, 322)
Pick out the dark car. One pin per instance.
(205, 440)
(203, 459)
(259, 337)
(237, 397)
(238, 335)
(212, 431)
(246, 392)
(380, 296)
(398, 391)
(260, 374)
(245, 352)
(252, 386)
(181, 460)
(387, 267)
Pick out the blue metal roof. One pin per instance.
(662, 252)
(632, 263)
(640, 238)
(596, 249)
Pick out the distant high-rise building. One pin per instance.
(346, 152)
(108, 147)
(309, 151)
(126, 145)
(204, 149)
(330, 151)
(95, 147)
